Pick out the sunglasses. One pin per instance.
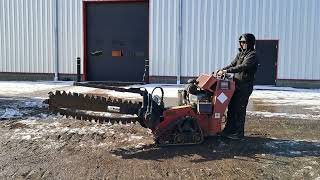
(243, 42)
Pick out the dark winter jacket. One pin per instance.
(245, 63)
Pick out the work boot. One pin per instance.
(226, 131)
(235, 136)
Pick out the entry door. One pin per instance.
(267, 52)
(117, 41)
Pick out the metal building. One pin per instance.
(39, 39)
(186, 37)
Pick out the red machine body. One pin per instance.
(204, 114)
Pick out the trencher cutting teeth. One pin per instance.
(93, 107)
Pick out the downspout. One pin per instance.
(180, 44)
(56, 74)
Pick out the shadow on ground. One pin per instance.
(215, 148)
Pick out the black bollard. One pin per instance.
(78, 69)
(146, 72)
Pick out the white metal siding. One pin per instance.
(210, 32)
(164, 21)
(70, 34)
(211, 29)
(25, 37)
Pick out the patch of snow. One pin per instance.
(266, 87)
(31, 104)
(139, 145)
(42, 115)
(308, 167)
(29, 121)
(295, 153)
(134, 137)
(96, 129)
(104, 144)
(27, 134)
(8, 88)
(81, 89)
(284, 115)
(128, 116)
(170, 90)
(124, 95)
(26, 137)
(39, 130)
(315, 108)
(316, 142)
(55, 124)
(10, 113)
(288, 97)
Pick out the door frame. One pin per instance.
(277, 61)
(84, 26)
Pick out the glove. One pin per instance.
(221, 72)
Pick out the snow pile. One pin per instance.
(11, 114)
(134, 137)
(170, 91)
(306, 101)
(274, 88)
(21, 87)
(20, 108)
(284, 115)
(56, 134)
(32, 104)
(124, 95)
(82, 89)
(302, 97)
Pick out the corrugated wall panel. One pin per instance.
(207, 41)
(25, 44)
(211, 29)
(70, 34)
(28, 43)
(164, 37)
(210, 32)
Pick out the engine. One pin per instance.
(197, 97)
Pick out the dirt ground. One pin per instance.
(45, 146)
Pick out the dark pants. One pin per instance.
(236, 115)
